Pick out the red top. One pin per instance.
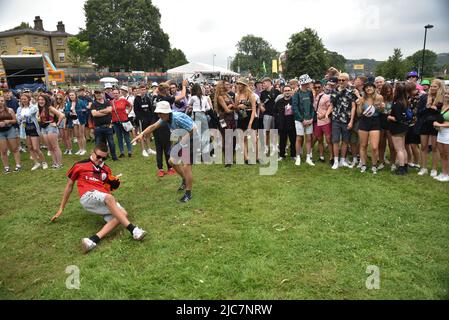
(88, 177)
(119, 107)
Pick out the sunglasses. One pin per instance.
(100, 158)
(317, 87)
(342, 80)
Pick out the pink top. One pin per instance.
(325, 104)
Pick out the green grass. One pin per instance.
(307, 233)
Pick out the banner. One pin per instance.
(359, 67)
(275, 67)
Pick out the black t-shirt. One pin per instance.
(268, 98)
(143, 108)
(105, 120)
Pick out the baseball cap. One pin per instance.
(154, 84)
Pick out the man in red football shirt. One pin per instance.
(94, 180)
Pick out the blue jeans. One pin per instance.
(103, 135)
(122, 133)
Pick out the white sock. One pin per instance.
(336, 159)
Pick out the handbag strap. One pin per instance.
(115, 110)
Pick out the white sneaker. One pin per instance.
(354, 163)
(88, 245)
(134, 143)
(298, 161)
(49, 153)
(433, 173)
(78, 152)
(152, 152)
(310, 162)
(280, 159)
(393, 167)
(139, 234)
(145, 153)
(335, 166)
(66, 152)
(362, 169)
(83, 152)
(44, 165)
(381, 167)
(444, 178)
(439, 176)
(374, 170)
(423, 172)
(344, 164)
(360, 165)
(70, 153)
(36, 166)
(75, 140)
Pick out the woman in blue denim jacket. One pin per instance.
(76, 114)
(27, 118)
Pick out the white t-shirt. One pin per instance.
(131, 100)
(199, 106)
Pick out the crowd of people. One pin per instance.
(400, 123)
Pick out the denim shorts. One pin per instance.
(49, 130)
(340, 132)
(11, 134)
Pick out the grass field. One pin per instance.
(307, 233)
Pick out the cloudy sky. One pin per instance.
(202, 28)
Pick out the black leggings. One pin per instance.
(163, 146)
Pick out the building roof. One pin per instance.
(9, 33)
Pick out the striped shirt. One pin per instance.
(179, 120)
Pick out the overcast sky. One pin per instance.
(202, 28)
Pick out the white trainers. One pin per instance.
(44, 165)
(83, 152)
(36, 166)
(438, 176)
(393, 168)
(298, 161)
(49, 153)
(335, 166)
(151, 152)
(443, 178)
(433, 173)
(280, 159)
(362, 169)
(139, 234)
(344, 164)
(381, 167)
(423, 172)
(354, 163)
(145, 153)
(310, 162)
(70, 153)
(78, 152)
(88, 245)
(374, 170)
(66, 152)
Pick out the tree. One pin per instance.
(78, 53)
(126, 34)
(394, 68)
(414, 62)
(175, 58)
(306, 54)
(23, 25)
(336, 60)
(253, 52)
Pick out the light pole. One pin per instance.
(429, 26)
(213, 62)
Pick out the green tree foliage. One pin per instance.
(175, 58)
(126, 34)
(23, 25)
(336, 60)
(414, 62)
(252, 52)
(78, 52)
(394, 68)
(306, 54)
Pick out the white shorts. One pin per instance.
(94, 202)
(300, 129)
(76, 122)
(443, 136)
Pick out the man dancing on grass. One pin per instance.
(95, 182)
(177, 121)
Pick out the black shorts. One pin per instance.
(412, 137)
(31, 133)
(428, 129)
(144, 124)
(369, 124)
(383, 121)
(244, 122)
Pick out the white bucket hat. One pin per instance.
(124, 88)
(163, 107)
(305, 79)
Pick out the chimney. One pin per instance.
(38, 24)
(60, 26)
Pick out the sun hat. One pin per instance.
(305, 79)
(124, 88)
(243, 81)
(163, 107)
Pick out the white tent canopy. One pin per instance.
(108, 80)
(193, 68)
